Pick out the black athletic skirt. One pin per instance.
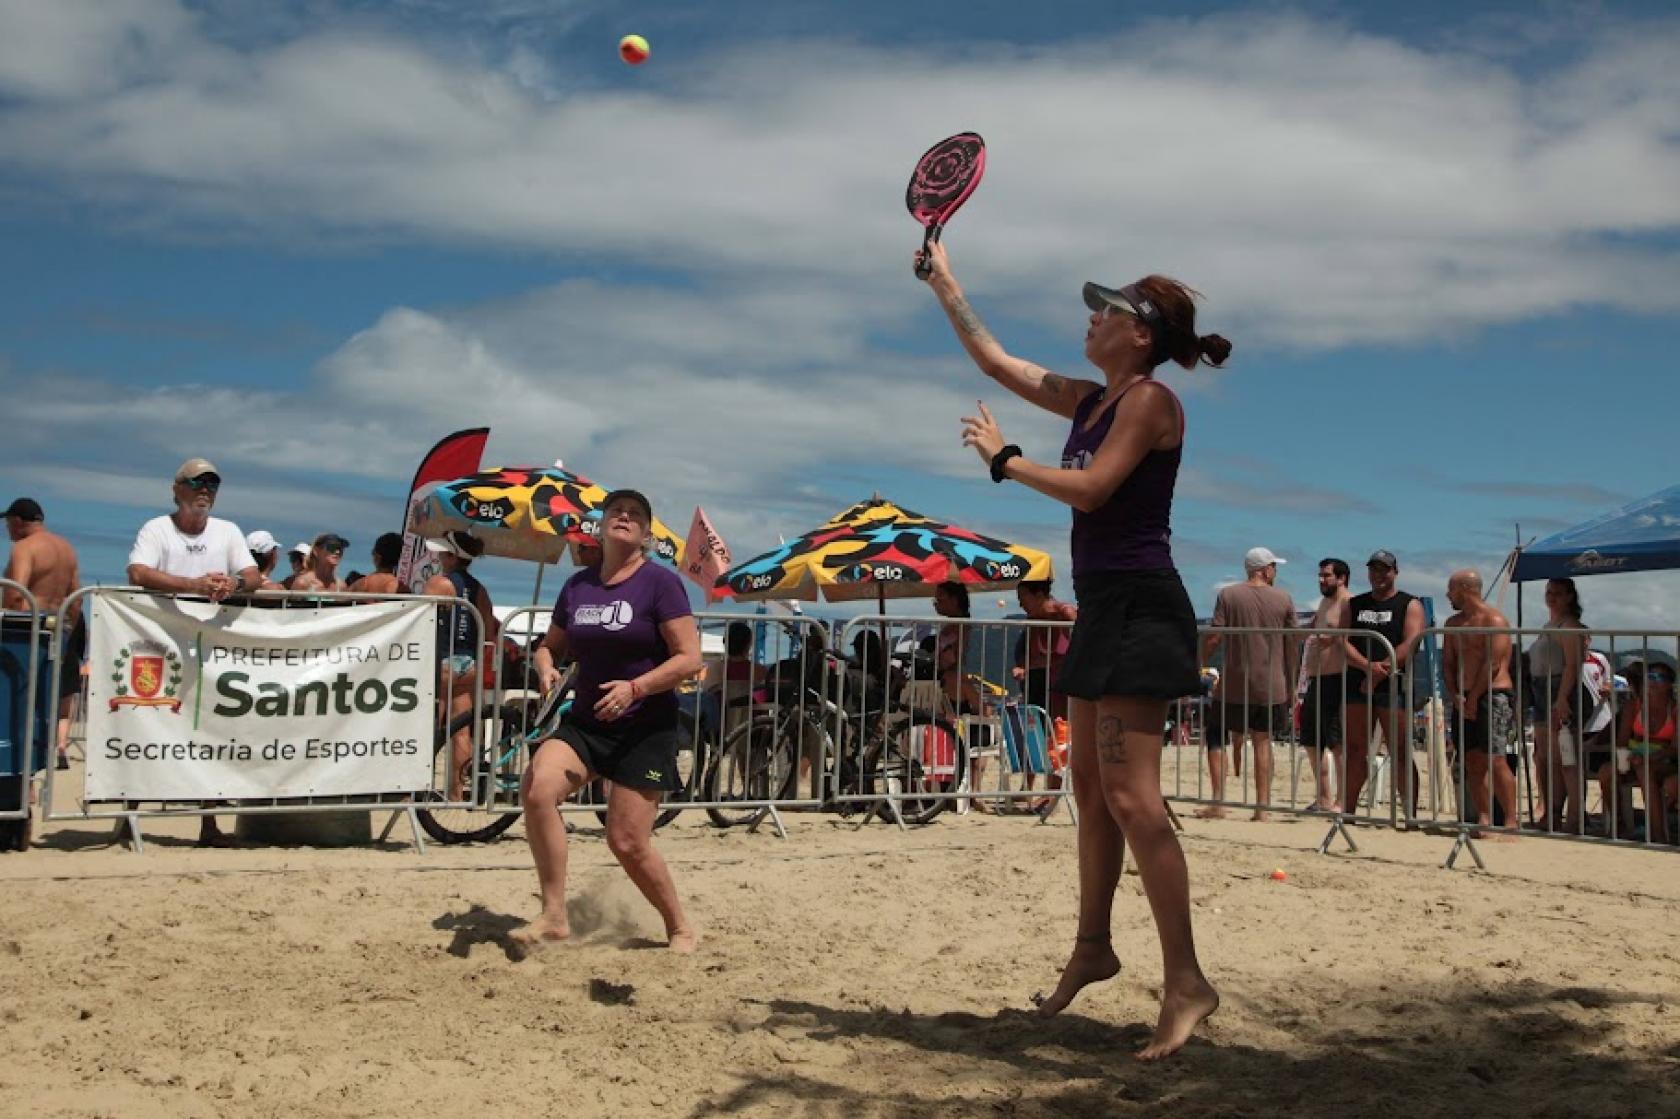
(1135, 636)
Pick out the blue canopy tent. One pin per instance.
(1641, 536)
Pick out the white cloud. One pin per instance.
(762, 406)
(1322, 186)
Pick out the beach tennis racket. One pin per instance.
(944, 177)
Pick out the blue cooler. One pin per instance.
(17, 714)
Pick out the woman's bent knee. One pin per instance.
(628, 846)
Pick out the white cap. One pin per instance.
(261, 542)
(462, 545)
(301, 548)
(1261, 557)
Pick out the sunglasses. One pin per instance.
(203, 483)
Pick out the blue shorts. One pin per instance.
(460, 664)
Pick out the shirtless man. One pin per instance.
(1478, 674)
(45, 563)
(321, 572)
(1325, 670)
(387, 553)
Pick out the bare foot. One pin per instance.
(1261, 816)
(541, 930)
(1091, 962)
(683, 941)
(1181, 1013)
(1211, 812)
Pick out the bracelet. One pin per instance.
(1001, 459)
(635, 692)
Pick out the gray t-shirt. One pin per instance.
(1255, 671)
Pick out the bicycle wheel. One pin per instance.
(476, 825)
(753, 764)
(923, 759)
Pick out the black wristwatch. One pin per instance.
(1001, 459)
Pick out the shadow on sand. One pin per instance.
(1525, 1050)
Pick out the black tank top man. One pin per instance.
(1388, 618)
(458, 629)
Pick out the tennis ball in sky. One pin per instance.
(633, 49)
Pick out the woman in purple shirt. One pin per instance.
(1133, 648)
(627, 624)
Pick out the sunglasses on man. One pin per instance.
(206, 483)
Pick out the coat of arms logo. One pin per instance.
(147, 674)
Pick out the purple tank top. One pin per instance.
(1132, 530)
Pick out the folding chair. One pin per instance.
(1027, 733)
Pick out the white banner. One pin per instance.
(189, 701)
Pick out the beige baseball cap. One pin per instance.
(196, 468)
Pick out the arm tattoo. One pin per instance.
(1053, 383)
(967, 321)
(1111, 740)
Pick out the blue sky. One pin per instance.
(306, 239)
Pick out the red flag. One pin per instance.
(455, 456)
(706, 556)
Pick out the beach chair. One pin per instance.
(1027, 733)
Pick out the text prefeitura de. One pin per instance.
(302, 658)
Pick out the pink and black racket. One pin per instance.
(944, 177)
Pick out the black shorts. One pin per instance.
(1135, 636)
(1492, 731)
(1321, 713)
(639, 757)
(1392, 692)
(1226, 719)
(75, 652)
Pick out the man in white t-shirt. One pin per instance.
(191, 552)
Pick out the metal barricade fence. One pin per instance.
(1544, 723)
(756, 726)
(928, 720)
(22, 680)
(456, 769)
(1268, 695)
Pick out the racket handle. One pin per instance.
(924, 265)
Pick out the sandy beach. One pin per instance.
(842, 973)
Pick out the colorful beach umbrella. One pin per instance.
(880, 550)
(524, 512)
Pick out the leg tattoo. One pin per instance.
(1111, 739)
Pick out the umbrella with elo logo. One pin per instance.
(880, 550)
(533, 513)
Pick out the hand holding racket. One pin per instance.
(944, 177)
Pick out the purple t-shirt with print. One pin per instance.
(613, 633)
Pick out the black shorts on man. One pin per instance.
(1321, 712)
(1226, 719)
(1394, 691)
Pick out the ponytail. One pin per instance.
(1214, 349)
